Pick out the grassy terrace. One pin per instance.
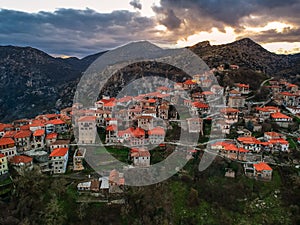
(120, 153)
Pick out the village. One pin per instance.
(255, 134)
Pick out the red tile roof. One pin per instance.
(189, 82)
(38, 133)
(9, 134)
(273, 134)
(24, 127)
(125, 99)
(200, 105)
(55, 122)
(17, 159)
(157, 131)
(59, 152)
(87, 119)
(262, 166)
(162, 88)
(51, 136)
(248, 140)
(242, 150)
(6, 141)
(3, 126)
(138, 132)
(287, 93)
(23, 134)
(243, 85)
(279, 141)
(135, 152)
(151, 100)
(268, 109)
(111, 128)
(279, 115)
(229, 110)
(109, 104)
(207, 93)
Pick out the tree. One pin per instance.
(54, 213)
(193, 199)
(249, 125)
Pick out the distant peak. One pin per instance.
(202, 44)
(245, 41)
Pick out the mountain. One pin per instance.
(33, 82)
(247, 54)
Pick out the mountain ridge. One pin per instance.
(33, 81)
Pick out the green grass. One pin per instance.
(5, 181)
(120, 153)
(293, 144)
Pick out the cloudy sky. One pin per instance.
(82, 27)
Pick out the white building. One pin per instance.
(7, 147)
(3, 164)
(156, 135)
(140, 157)
(59, 160)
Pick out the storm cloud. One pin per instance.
(82, 32)
(73, 32)
(136, 4)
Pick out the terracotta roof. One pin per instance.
(125, 99)
(162, 95)
(59, 152)
(24, 127)
(279, 141)
(292, 85)
(2, 155)
(272, 134)
(127, 131)
(234, 92)
(39, 133)
(87, 119)
(51, 136)
(6, 141)
(144, 117)
(61, 142)
(37, 123)
(243, 85)
(17, 159)
(138, 132)
(200, 105)
(55, 122)
(3, 126)
(109, 104)
(162, 88)
(229, 110)
(242, 150)
(157, 131)
(268, 109)
(230, 147)
(104, 101)
(287, 93)
(23, 134)
(248, 140)
(151, 100)
(9, 134)
(262, 166)
(139, 153)
(207, 93)
(111, 127)
(114, 176)
(279, 115)
(189, 82)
